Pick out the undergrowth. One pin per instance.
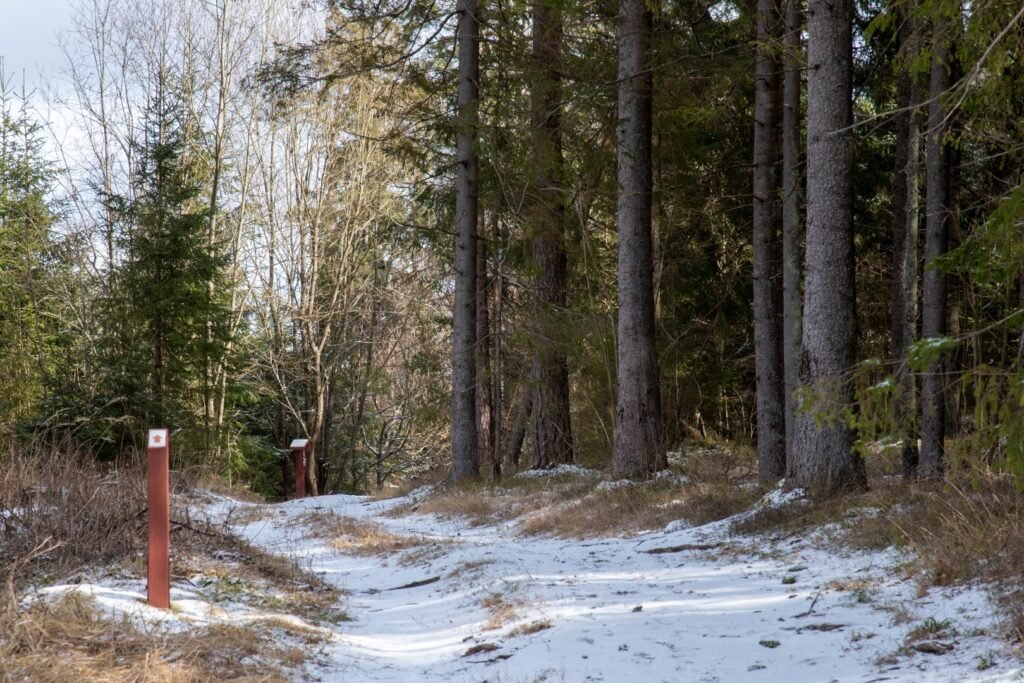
(705, 483)
(956, 530)
(357, 536)
(59, 511)
(71, 640)
(62, 516)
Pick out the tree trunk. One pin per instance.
(325, 442)
(823, 458)
(933, 294)
(552, 430)
(465, 457)
(903, 295)
(312, 481)
(1019, 361)
(484, 393)
(792, 225)
(211, 367)
(771, 416)
(517, 435)
(499, 371)
(638, 444)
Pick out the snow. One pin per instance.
(934, 343)
(710, 606)
(121, 597)
(664, 477)
(779, 496)
(614, 484)
(558, 471)
(887, 383)
(128, 598)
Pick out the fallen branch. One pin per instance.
(417, 584)
(478, 649)
(810, 610)
(681, 548)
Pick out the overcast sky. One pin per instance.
(28, 37)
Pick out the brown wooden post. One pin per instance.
(299, 447)
(159, 500)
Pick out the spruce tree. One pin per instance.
(170, 312)
(26, 265)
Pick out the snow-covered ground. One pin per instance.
(683, 604)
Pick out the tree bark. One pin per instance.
(771, 416)
(824, 461)
(327, 440)
(517, 435)
(792, 224)
(484, 393)
(499, 361)
(638, 444)
(212, 366)
(933, 294)
(465, 457)
(905, 224)
(552, 430)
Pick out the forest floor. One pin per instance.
(431, 586)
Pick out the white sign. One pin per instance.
(299, 443)
(157, 438)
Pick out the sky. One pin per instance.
(28, 38)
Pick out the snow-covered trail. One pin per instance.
(498, 606)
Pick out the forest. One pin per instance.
(585, 309)
(481, 238)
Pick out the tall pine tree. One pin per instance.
(169, 323)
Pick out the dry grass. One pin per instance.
(467, 568)
(243, 559)
(397, 489)
(719, 484)
(531, 628)
(716, 463)
(501, 611)
(957, 531)
(195, 479)
(482, 503)
(246, 573)
(249, 514)
(62, 515)
(357, 536)
(633, 508)
(70, 640)
(863, 519)
(479, 506)
(65, 503)
(264, 582)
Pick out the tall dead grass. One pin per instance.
(60, 512)
(956, 530)
(481, 503)
(70, 640)
(632, 508)
(707, 483)
(357, 536)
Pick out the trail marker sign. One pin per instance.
(299, 447)
(158, 484)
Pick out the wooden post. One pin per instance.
(299, 447)
(159, 500)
